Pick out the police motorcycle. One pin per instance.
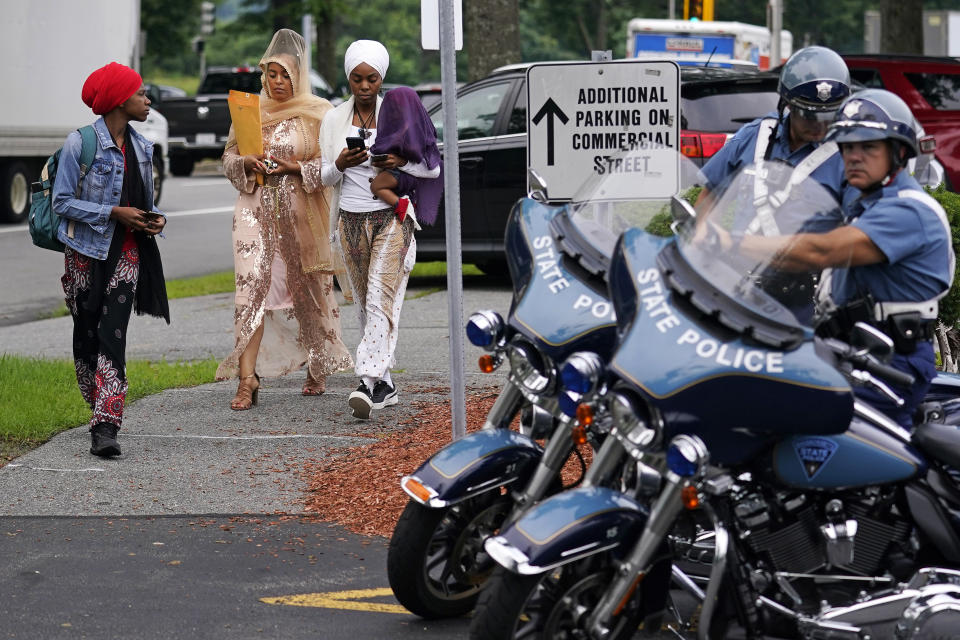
(828, 519)
(558, 257)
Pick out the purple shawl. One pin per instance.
(405, 129)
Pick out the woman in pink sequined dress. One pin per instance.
(286, 314)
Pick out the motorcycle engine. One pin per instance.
(785, 530)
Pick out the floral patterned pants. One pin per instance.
(100, 336)
(379, 251)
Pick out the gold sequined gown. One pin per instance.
(299, 311)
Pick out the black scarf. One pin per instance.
(151, 295)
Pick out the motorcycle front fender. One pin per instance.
(567, 527)
(478, 462)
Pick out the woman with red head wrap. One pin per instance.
(108, 226)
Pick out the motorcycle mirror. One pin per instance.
(865, 337)
(681, 210)
(537, 186)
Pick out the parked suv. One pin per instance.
(492, 120)
(931, 88)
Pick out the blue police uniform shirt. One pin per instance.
(913, 234)
(740, 150)
(912, 231)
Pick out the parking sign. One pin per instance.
(582, 117)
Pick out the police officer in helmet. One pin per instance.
(813, 84)
(898, 239)
(893, 259)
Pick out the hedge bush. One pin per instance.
(950, 304)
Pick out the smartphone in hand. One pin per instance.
(355, 142)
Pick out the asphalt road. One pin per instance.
(196, 242)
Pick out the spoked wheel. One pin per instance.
(436, 563)
(552, 605)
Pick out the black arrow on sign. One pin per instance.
(550, 109)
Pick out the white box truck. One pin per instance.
(941, 33)
(50, 47)
(695, 42)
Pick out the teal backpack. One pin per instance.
(43, 221)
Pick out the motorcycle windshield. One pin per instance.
(632, 188)
(748, 244)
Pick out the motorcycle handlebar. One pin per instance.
(886, 372)
(865, 361)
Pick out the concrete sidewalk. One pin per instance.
(186, 452)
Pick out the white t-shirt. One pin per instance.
(355, 194)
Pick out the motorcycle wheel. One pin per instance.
(436, 563)
(552, 605)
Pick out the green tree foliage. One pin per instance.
(169, 26)
(549, 30)
(241, 40)
(397, 25)
(581, 27)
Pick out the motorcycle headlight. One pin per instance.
(485, 329)
(633, 426)
(568, 402)
(687, 456)
(530, 368)
(580, 372)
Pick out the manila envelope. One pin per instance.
(245, 113)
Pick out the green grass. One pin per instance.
(187, 83)
(223, 282)
(439, 269)
(40, 397)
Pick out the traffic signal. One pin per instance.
(698, 9)
(208, 18)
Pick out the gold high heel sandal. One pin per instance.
(247, 394)
(314, 386)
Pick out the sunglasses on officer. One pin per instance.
(812, 116)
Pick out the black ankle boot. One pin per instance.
(103, 438)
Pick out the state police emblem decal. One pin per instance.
(813, 454)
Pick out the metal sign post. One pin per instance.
(451, 207)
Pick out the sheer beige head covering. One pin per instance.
(313, 228)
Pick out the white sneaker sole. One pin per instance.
(389, 400)
(361, 404)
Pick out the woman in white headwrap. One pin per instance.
(379, 249)
(286, 314)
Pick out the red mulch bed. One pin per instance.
(361, 488)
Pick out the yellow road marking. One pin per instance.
(341, 600)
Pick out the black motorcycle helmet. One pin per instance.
(813, 83)
(877, 114)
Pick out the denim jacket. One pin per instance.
(85, 224)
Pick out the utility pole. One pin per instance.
(775, 24)
(208, 26)
(307, 30)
